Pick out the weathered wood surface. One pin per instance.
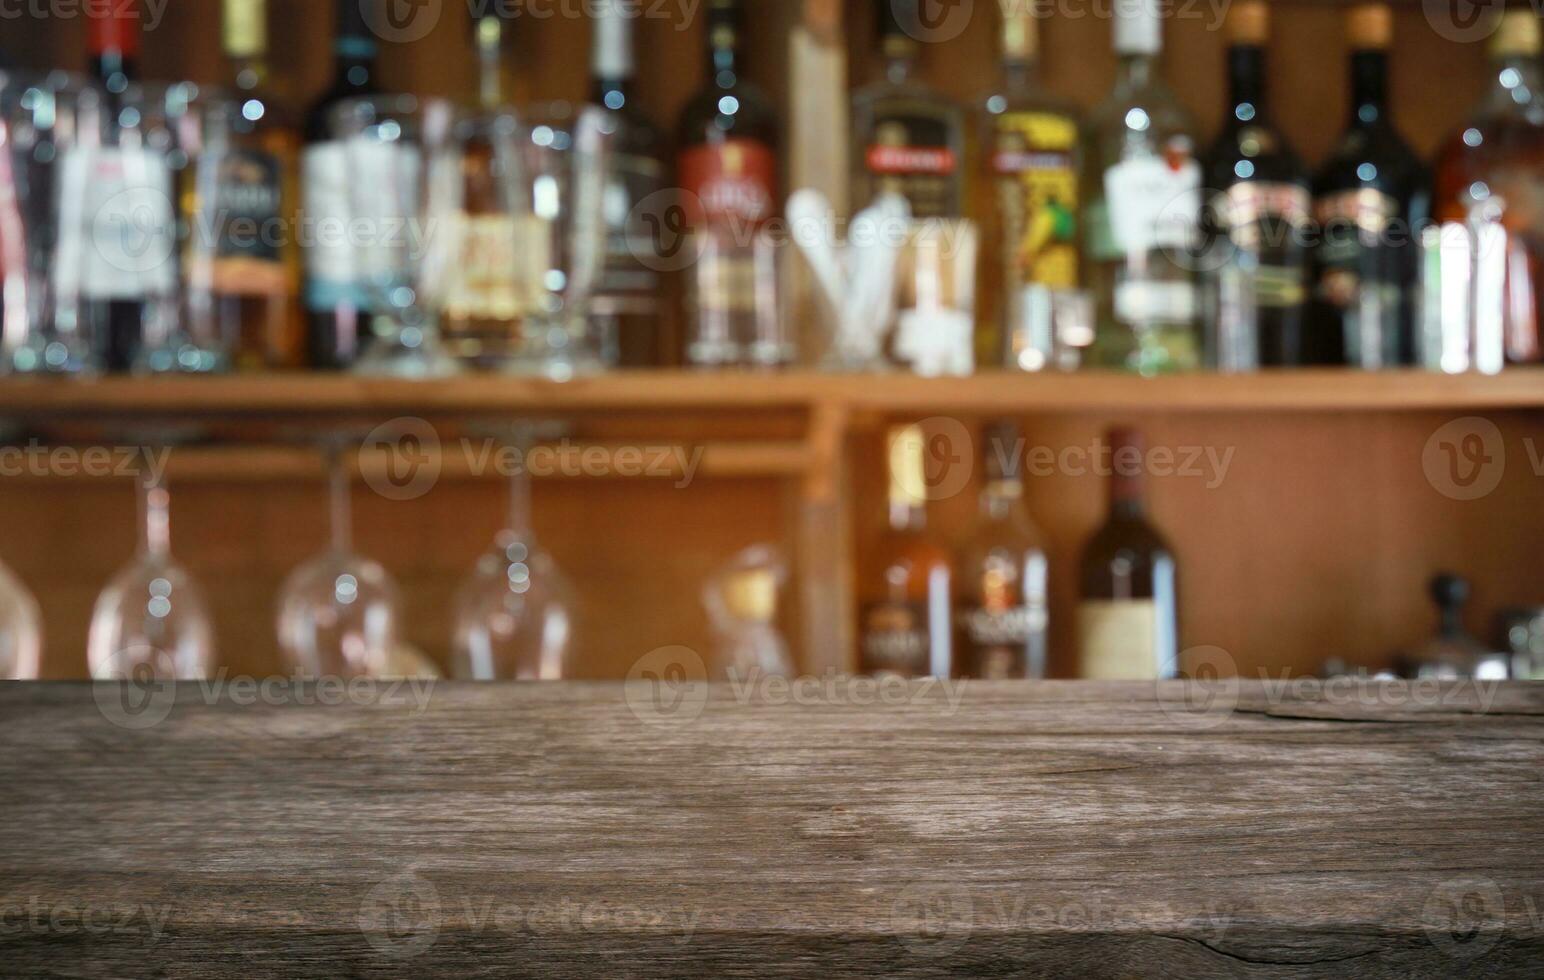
(1073, 830)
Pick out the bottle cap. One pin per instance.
(115, 27)
(1248, 23)
(244, 29)
(1370, 26)
(1021, 32)
(1002, 453)
(1517, 36)
(613, 54)
(1138, 29)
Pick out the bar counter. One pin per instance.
(828, 828)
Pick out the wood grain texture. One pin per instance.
(581, 830)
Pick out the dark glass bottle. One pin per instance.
(256, 265)
(1002, 573)
(1368, 196)
(728, 173)
(113, 300)
(1128, 609)
(626, 302)
(905, 601)
(336, 317)
(1256, 219)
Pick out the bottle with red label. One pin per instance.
(908, 137)
(728, 173)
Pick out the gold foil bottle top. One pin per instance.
(751, 595)
(1370, 26)
(244, 28)
(908, 479)
(1021, 32)
(1517, 36)
(1248, 23)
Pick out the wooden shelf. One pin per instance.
(644, 392)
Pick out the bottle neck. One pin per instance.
(900, 60)
(1450, 621)
(354, 50)
(489, 42)
(245, 38)
(1369, 86)
(114, 45)
(999, 498)
(907, 515)
(1126, 497)
(155, 529)
(1019, 74)
(1246, 83)
(724, 62)
(1136, 70)
(611, 62)
(249, 72)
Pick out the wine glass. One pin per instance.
(44, 330)
(337, 613)
(512, 612)
(21, 630)
(151, 619)
(404, 165)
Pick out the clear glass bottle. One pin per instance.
(1454, 653)
(741, 601)
(908, 138)
(1144, 206)
(1030, 202)
(1003, 609)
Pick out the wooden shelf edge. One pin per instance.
(649, 392)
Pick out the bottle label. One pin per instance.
(915, 159)
(895, 639)
(121, 243)
(1148, 301)
(330, 273)
(1154, 202)
(1037, 189)
(247, 225)
(1353, 224)
(626, 279)
(497, 264)
(732, 182)
(1118, 640)
(1267, 220)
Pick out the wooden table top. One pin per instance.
(834, 828)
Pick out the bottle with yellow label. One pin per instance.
(1029, 203)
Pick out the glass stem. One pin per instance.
(338, 502)
(155, 526)
(520, 492)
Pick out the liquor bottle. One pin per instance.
(335, 302)
(908, 138)
(728, 173)
(255, 275)
(126, 185)
(626, 303)
(1454, 653)
(1144, 194)
(1490, 170)
(905, 617)
(1128, 612)
(1368, 196)
(1003, 613)
(483, 305)
(1032, 149)
(1256, 290)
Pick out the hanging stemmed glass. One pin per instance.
(337, 613)
(151, 621)
(512, 612)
